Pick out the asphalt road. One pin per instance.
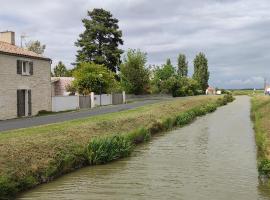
(61, 117)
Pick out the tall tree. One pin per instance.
(100, 40)
(166, 71)
(134, 74)
(182, 65)
(201, 73)
(60, 70)
(36, 47)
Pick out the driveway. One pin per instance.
(61, 117)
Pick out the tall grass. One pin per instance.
(101, 150)
(260, 116)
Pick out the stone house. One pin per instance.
(25, 80)
(210, 91)
(60, 84)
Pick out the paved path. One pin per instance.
(48, 119)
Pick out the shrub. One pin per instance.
(185, 118)
(156, 127)
(104, 149)
(139, 136)
(264, 167)
(168, 124)
(66, 161)
(7, 187)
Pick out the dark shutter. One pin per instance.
(18, 103)
(29, 103)
(21, 103)
(19, 67)
(31, 68)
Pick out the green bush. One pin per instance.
(66, 161)
(156, 127)
(7, 187)
(168, 124)
(264, 167)
(185, 118)
(101, 150)
(139, 136)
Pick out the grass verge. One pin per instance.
(40, 154)
(260, 114)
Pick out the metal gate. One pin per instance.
(117, 98)
(85, 101)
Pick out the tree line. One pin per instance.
(99, 64)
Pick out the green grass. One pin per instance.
(39, 154)
(260, 114)
(248, 92)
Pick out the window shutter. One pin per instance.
(31, 68)
(19, 67)
(29, 103)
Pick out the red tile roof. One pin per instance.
(6, 48)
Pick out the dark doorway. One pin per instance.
(21, 103)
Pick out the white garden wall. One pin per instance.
(63, 103)
(106, 99)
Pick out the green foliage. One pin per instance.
(67, 161)
(105, 149)
(184, 86)
(134, 74)
(89, 77)
(264, 167)
(8, 187)
(165, 72)
(168, 124)
(164, 78)
(201, 73)
(185, 118)
(36, 47)
(139, 136)
(182, 65)
(100, 40)
(60, 70)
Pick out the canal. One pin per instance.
(214, 158)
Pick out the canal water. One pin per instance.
(214, 158)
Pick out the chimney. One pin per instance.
(8, 37)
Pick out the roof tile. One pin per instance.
(13, 49)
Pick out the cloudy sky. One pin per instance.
(234, 34)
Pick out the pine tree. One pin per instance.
(100, 40)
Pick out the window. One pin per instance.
(24, 67)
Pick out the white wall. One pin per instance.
(106, 99)
(62, 103)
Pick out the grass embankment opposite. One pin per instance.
(246, 92)
(39, 154)
(260, 114)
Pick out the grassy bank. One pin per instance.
(246, 92)
(36, 155)
(260, 114)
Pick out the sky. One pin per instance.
(233, 34)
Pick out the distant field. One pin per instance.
(246, 92)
